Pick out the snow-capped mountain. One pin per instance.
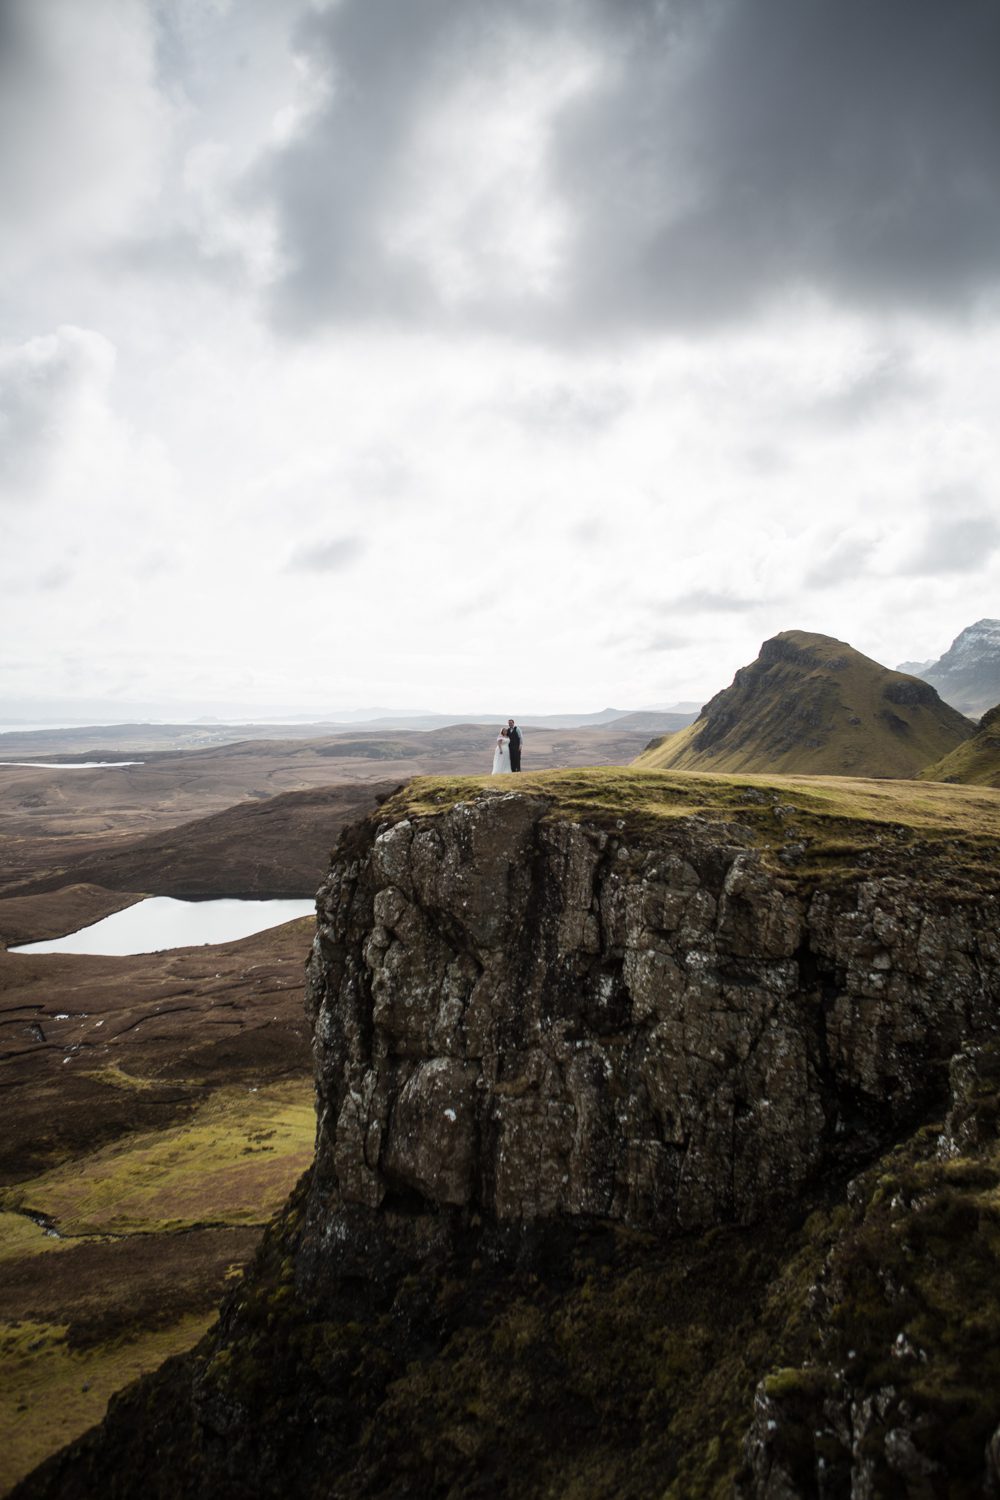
(968, 674)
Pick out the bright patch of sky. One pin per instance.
(471, 357)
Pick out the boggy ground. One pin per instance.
(157, 1110)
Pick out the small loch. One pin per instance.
(72, 765)
(161, 922)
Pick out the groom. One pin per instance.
(515, 745)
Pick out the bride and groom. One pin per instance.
(507, 755)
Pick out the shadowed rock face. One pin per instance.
(548, 1052)
(526, 1018)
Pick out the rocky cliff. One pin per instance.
(595, 1058)
(520, 1015)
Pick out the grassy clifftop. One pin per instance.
(813, 704)
(814, 824)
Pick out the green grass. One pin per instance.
(839, 820)
(231, 1163)
(976, 761)
(51, 1392)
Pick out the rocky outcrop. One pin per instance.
(593, 1074)
(521, 1017)
(901, 1394)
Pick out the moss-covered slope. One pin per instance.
(976, 761)
(810, 703)
(850, 1340)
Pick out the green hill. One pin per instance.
(975, 761)
(813, 704)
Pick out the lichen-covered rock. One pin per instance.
(522, 1016)
(620, 1120)
(902, 1393)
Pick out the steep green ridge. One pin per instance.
(976, 761)
(810, 703)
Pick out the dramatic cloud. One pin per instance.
(437, 353)
(83, 127)
(595, 165)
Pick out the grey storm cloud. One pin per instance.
(327, 557)
(718, 155)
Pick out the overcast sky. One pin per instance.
(490, 354)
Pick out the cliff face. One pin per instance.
(595, 1062)
(523, 1017)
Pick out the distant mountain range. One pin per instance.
(813, 704)
(660, 718)
(968, 674)
(661, 721)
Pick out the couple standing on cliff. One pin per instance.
(507, 755)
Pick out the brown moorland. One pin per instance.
(158, 1108)
(56, 821)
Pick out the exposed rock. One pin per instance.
(575, 1077)
(906, 1286)
(521, 1016)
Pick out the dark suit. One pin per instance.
(515, 749)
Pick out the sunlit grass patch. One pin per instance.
(50, 1392)
(20, 1236)
(232, 1162)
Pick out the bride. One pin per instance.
(501, 755)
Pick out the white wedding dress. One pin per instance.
(501, 756)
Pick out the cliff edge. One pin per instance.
(597, 1056)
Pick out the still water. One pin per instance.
(161, 922)
(75, 765)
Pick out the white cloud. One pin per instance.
(454, 510)
(52, 389)
(83, 127)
